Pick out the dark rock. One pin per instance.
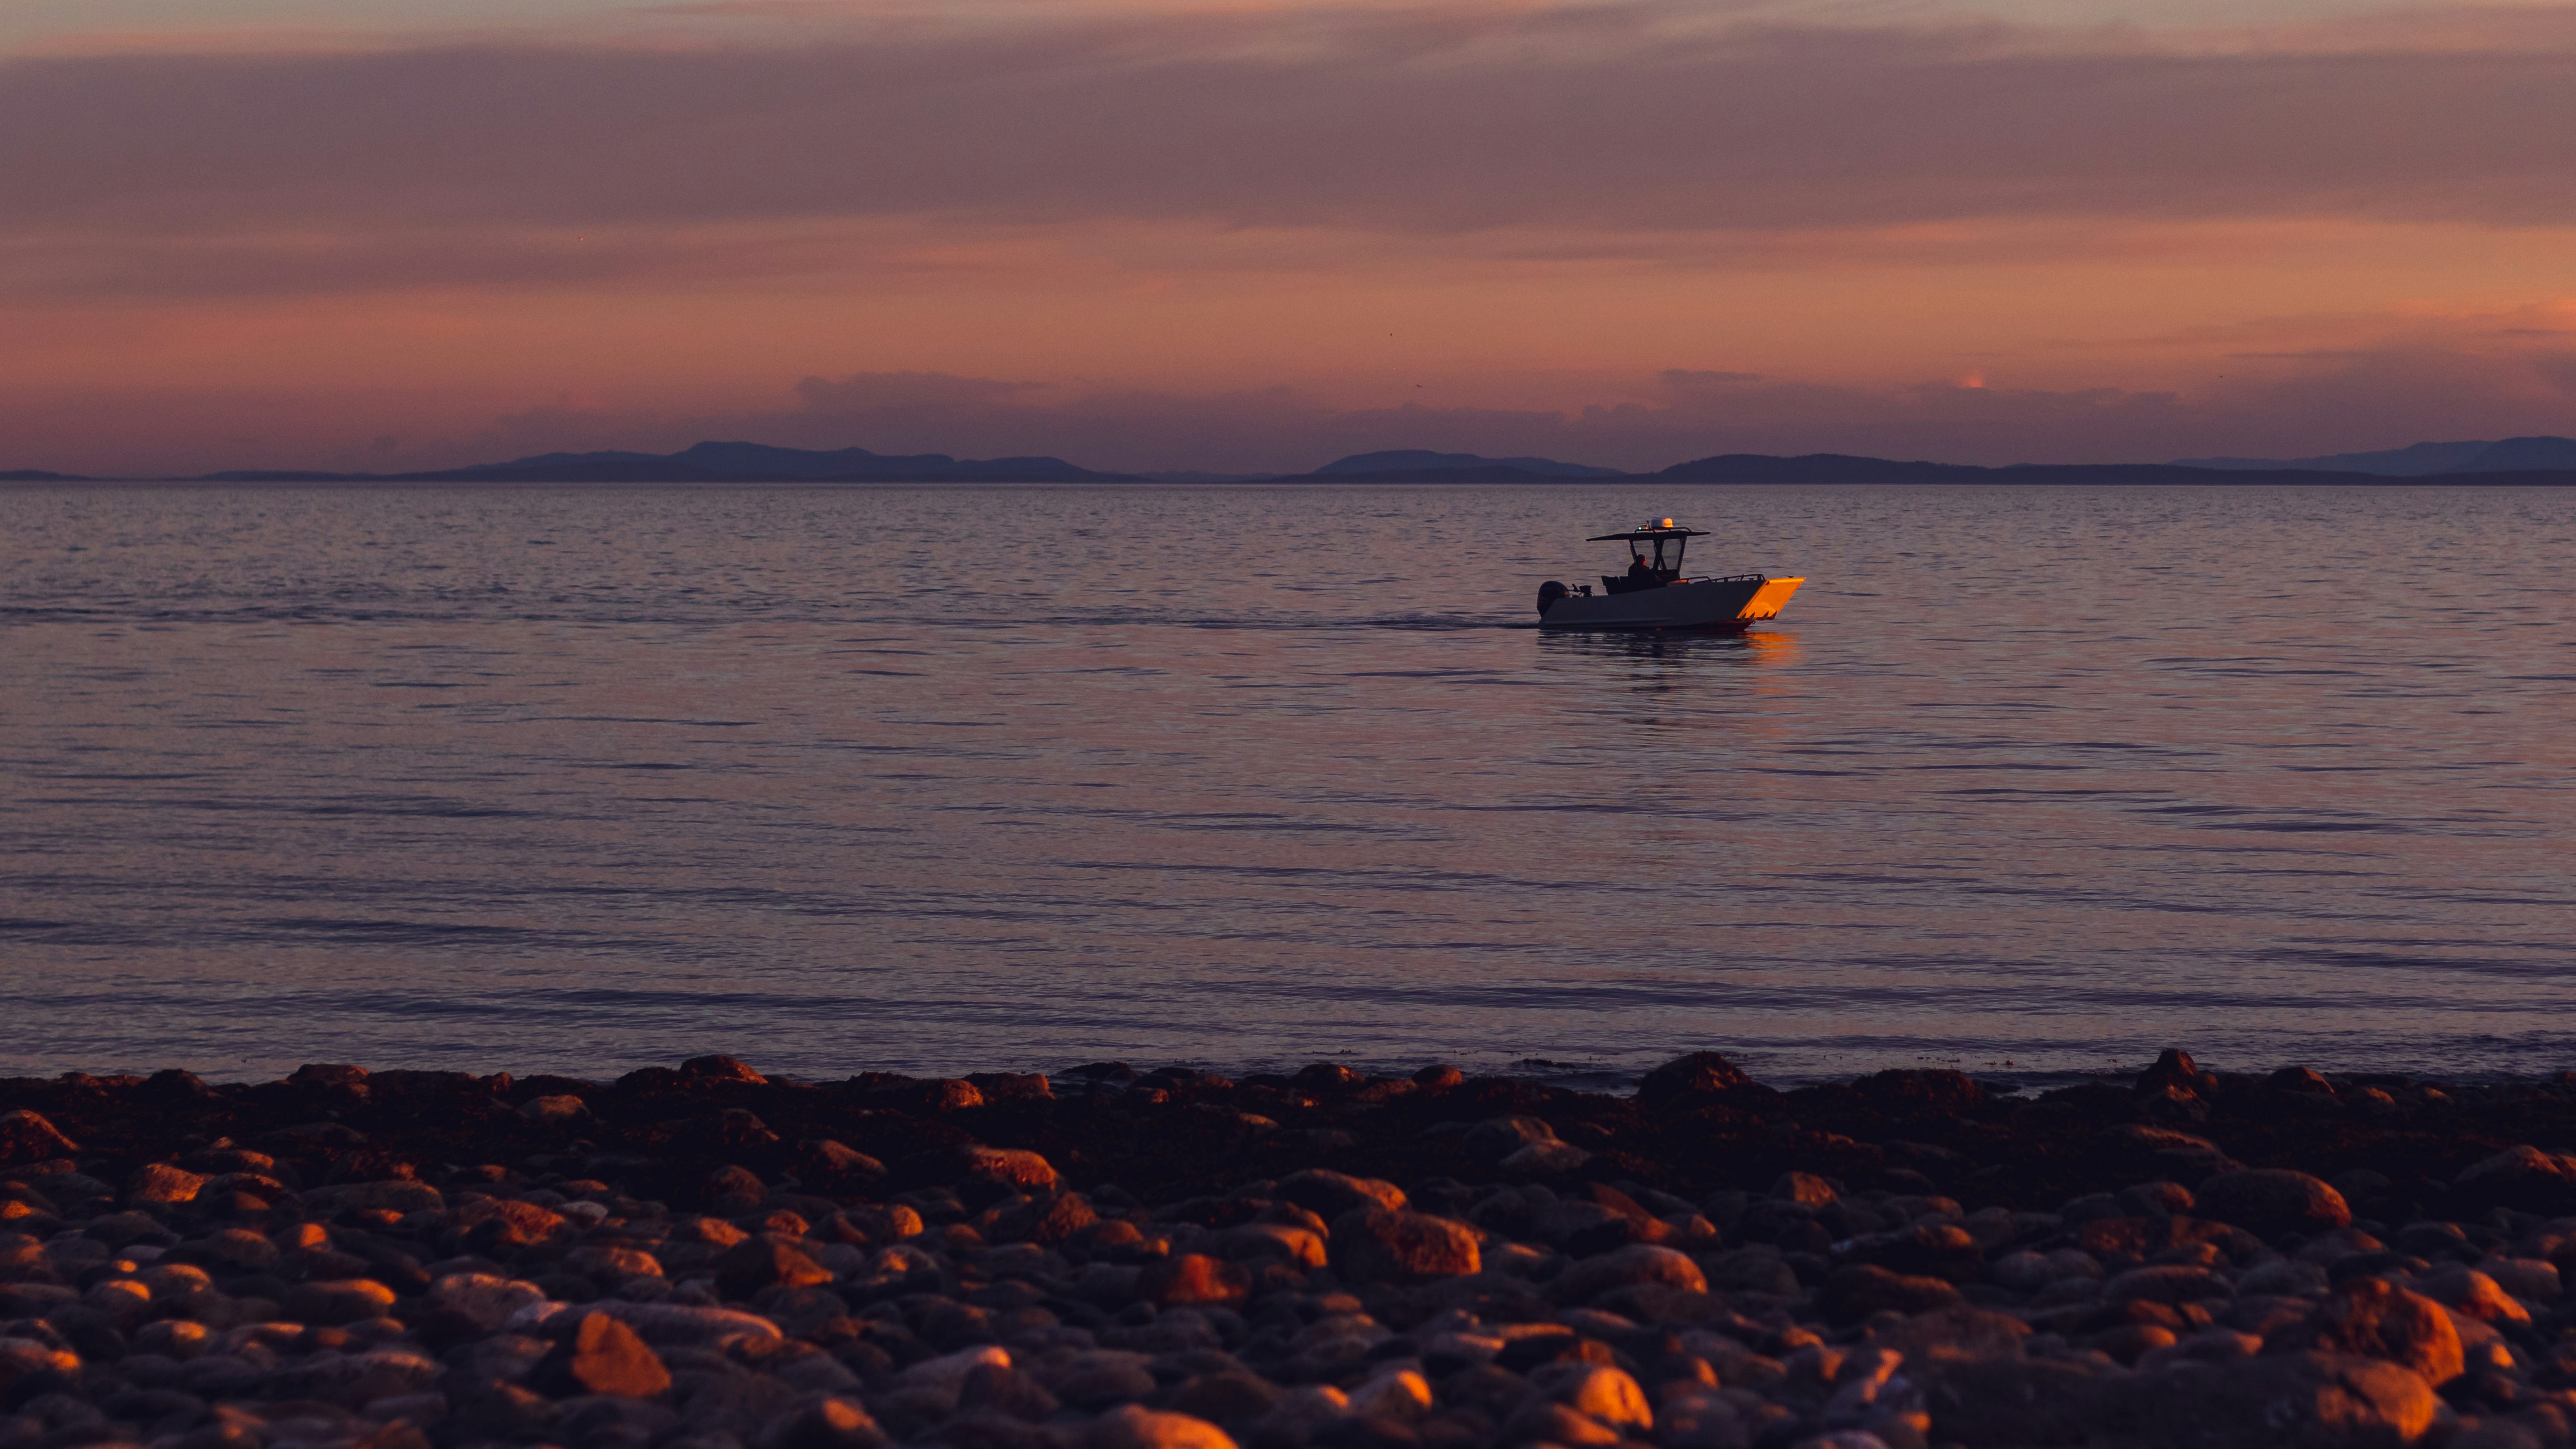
(1225, 1397)
(159, 1184)
(2142, 1237)
(1215, 1285)
(27, 1137)
(1921, 1092)
(731, 1130)
(2274, 1200)
(711, 1069)
(603, 1356)
(2158, 1199)
(834, 1422)
(1627, 1267)
(2176, 1071)
(2523, 1178)
(608, 1421)
(2000, 1400)
(1551, 1344)
(1582, 1228)
(988, 1429)
(174, 1085)
(2374, 1318)
(334, 1301)
(1944, 1251)
(764, 1262)
(1004, 1390)
(2308, 1400)
(2172, 1153)
(1804, 1188)
(2126, 1343)
(1960, 1331)
(826, 1164)
(938, 1095)
(1096, 1380)
(1132, 1427)
(562, 1111)
(2174, 1284)
(1496, 1138)
(1855, 1292)
(735, 1189)
(2361, 1185)
(1330, 1194)
(1192, 1279)
(1052, 1219)
(1374, 1245)
(1691, 1078)
(498, 1409)
(330, 1076)
(1011, 1086)
(1013, 1168)
(2363, 1265)
(2172, 1104)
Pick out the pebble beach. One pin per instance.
(704, 1257)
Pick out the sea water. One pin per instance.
(2026, 780)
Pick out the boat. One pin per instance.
(1653, 593)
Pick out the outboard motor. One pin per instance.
(1548, 594)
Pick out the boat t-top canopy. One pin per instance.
(1664, 529)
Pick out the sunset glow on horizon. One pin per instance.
(1157, 234)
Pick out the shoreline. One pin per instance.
(2429, 1127)
(2000, 1079)
(707, 1258)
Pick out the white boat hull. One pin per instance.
(1717, 604)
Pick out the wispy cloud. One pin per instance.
(1747, 225)
(1431, 122)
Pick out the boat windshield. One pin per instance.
(1663, 555)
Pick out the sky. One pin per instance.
(1167, 234)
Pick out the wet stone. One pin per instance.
(764, 1262)
(605, 1356)
(707, 1259)
(1371, 1244)
(2269, 1201)
(1192, 1279)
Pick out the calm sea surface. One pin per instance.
(947, 778)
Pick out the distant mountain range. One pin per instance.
(1409, 463)
(2538, 460)
(2498, 462)
(2423, 460)
(1845, 468)
(720, 463)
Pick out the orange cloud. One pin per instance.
(1465, 217)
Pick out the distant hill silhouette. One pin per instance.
(274, 475)
(1480, 473)
(2523, 455)
(1815, 468)
(2511, 461)
(714, 462)
(718, 463)
(1405, 464)
(1845, 468)
(2421, 460)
